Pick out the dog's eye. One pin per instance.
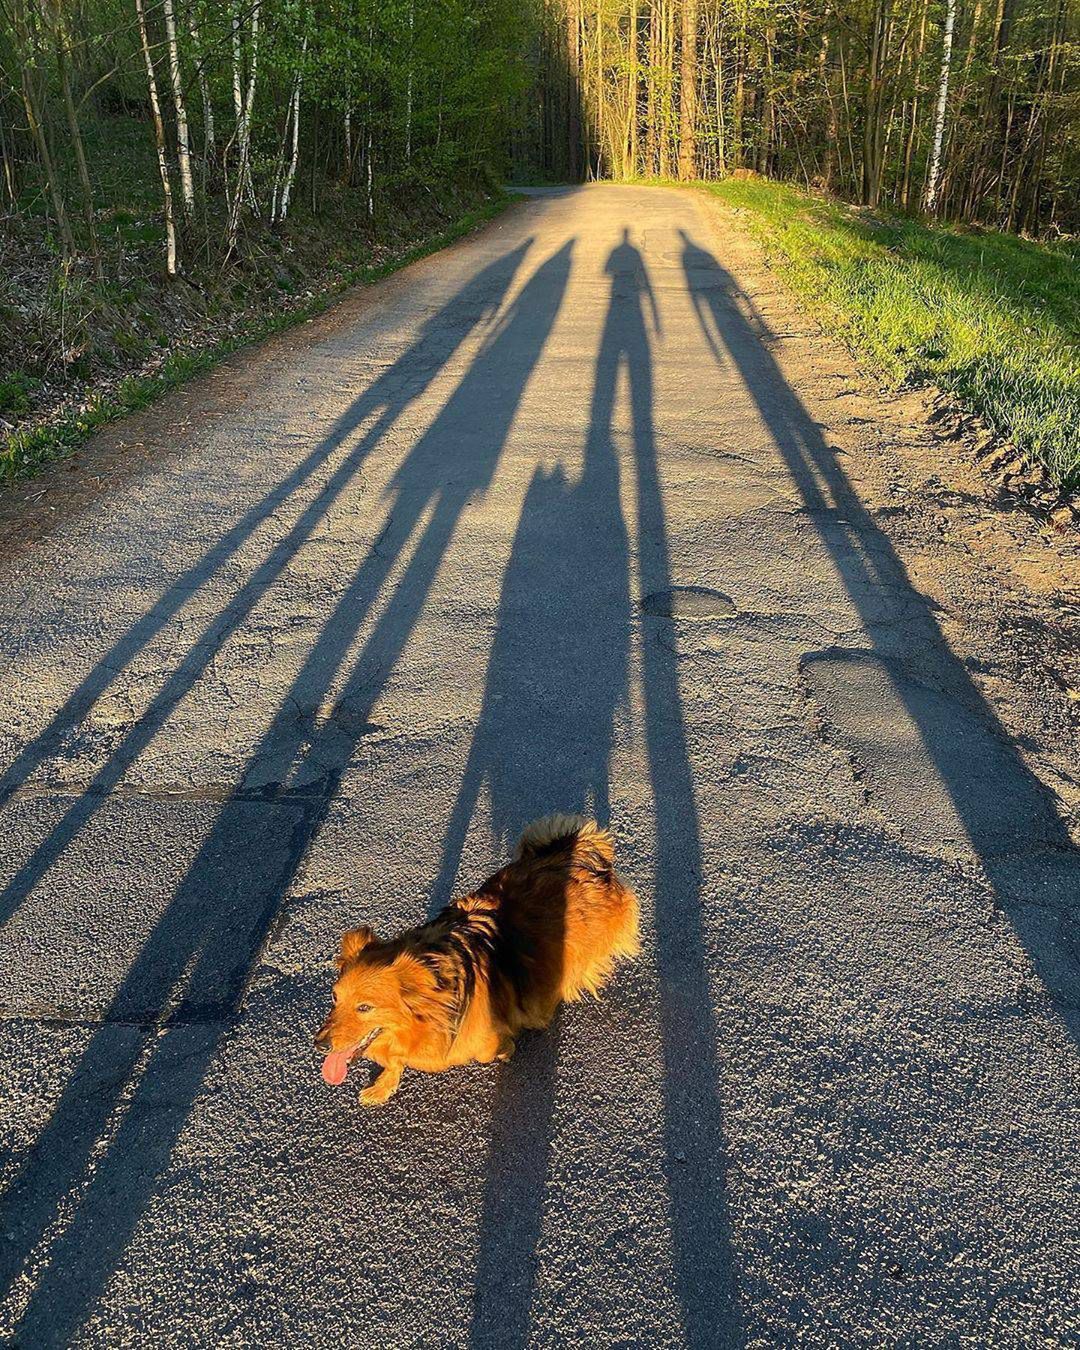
(363, 1007)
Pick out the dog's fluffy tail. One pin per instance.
(600, 917)
(546, 834)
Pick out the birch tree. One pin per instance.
(172, 259)
(243, 104)
(933, 176)
(854, 96)
(262, 93)
(183, 151)
(283, 183)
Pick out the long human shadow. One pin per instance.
(383, 402)
(1006, 813)
(694, 1137)
(187, 981)
(556, 677)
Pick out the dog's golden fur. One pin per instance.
(549, 926)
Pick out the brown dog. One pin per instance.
(548, 926)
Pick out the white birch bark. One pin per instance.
(237, 95)
(183, 150)
(238, 124)
(934, 176)
(172, 259)
(279, 165)
(291, 175)
(242, 105)
(249, 104)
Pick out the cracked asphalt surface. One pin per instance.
(572, 516)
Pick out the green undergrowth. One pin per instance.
(25, 450)
(991, 318)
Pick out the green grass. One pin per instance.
(24, 452)
(990, 318)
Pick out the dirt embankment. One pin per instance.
(79, 346)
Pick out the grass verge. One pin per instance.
(25, 451)
(991, 318)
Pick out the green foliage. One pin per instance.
(394, 95)
(15, 390)
(140, 215)
(839, 96)
(991, 318)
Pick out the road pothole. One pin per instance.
(688, 602)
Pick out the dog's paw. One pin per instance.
(506, 1050)
(381, 1090)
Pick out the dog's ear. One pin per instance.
(353, 943)
(422, 993)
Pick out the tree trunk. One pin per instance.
(409, 86)
(172, 258)
(930, 201)
(847, 115)
(632, 96)
(1036, 118)
(768, 104)
(872, 104)
(688, 92)
(183, 153)
(666, 76)
(35, 119)
(990, 111)
(249, 103)
(10, 182)
(651, 101)
(209, 147)
(913, 129)
(286, 192)
(573, 92)
(243, 187)
(832, 130)
(598, 98)
(738, 104)
(60, 40)
(718, 96)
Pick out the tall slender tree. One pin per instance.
(172, 257)
(933, 176)
(688, 74)
(183, 149)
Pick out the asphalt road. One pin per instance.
(540, 523)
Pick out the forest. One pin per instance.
(244, 108)
(966, 110)
(178, 177)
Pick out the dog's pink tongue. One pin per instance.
(334, 1068)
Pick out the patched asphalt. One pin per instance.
(550, 521)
